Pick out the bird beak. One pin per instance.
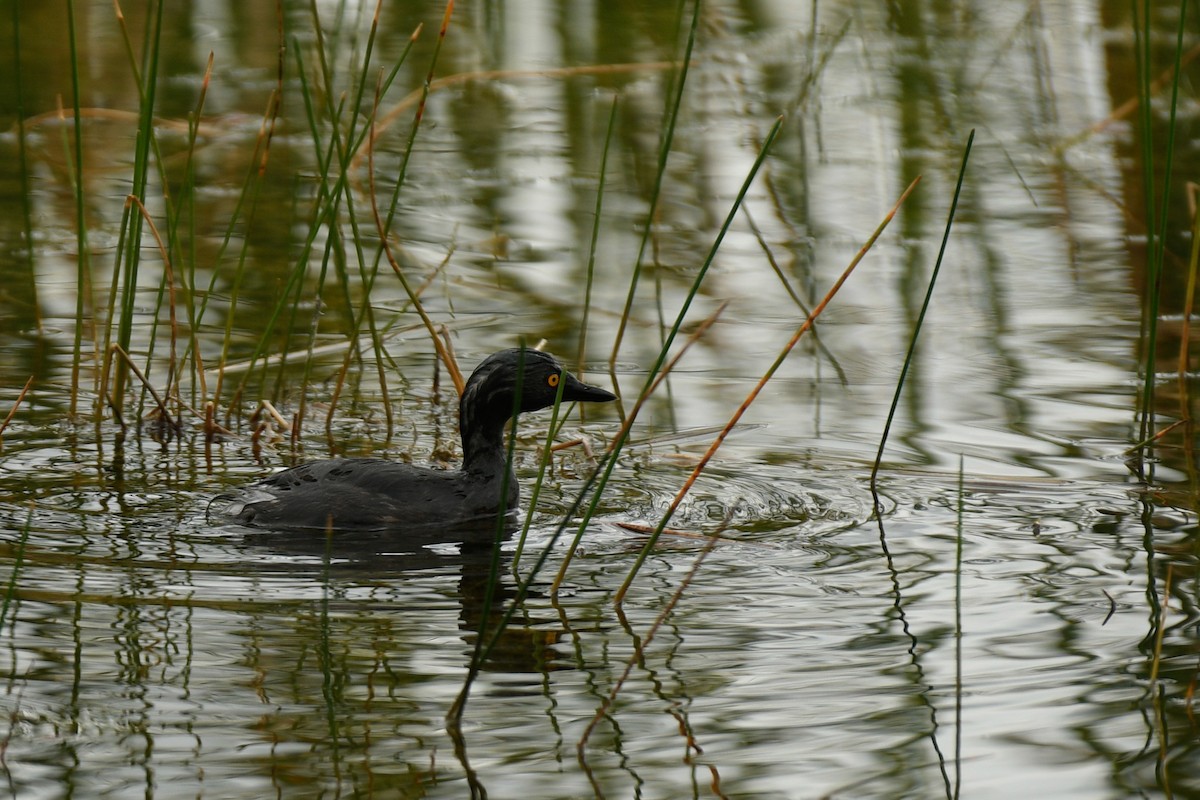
(577, 390)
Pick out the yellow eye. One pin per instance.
(552, 380)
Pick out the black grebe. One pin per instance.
(370, 494)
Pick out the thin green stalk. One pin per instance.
(596, 216)
(133, 222)
(664, 150)
(623, 435)
(364, 313)
(290, 292)
(341, 196)
(1156, 219)
(912, 344)
(83, 261)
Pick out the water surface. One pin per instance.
(1022, 617)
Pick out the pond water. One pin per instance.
(1021, 617)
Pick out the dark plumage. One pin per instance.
(369, 494)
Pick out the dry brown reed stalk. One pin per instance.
(160, 403)
(758, 387)
(12, 412)
(276, 99)
(1156, 437)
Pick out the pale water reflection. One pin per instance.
(1029, 627)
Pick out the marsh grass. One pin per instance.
(1155, 150)
(347, 269)
(357, 240)
(1157, 201)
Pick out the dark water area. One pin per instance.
(1022, 616)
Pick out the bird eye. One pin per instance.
(552, 380)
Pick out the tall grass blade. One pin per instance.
(131, 228)
(912, 344)
(83, 260)
(187, 277)
(1156, 215)
(596, 216)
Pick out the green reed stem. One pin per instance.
(290, 294)
(912, 343)
(247, 204)
(623, 434)
(664, 150)
(1156, 215)
(596, 216)
(83, 260)
(245, 207)
(132, 222)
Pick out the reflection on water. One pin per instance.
(1032, 625)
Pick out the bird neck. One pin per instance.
(482, 434)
